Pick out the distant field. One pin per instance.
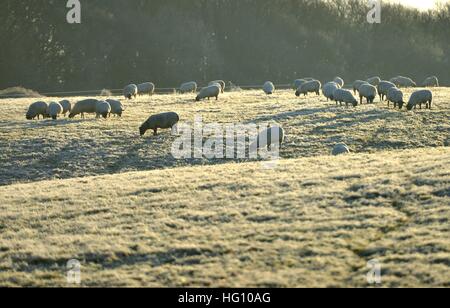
(95, 191)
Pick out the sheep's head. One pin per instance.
(71, 115)
(400, 104)
(409, 107)
(29, 117)
(142, 130)
(297, 93)
(197, 99)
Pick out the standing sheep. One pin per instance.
(339, 81)
(383, 88)
(221, 83)
(403, 82)
(357, 84)
(367, 91)
(163, 121)
(146, 88)
(188, 87)
(313, 86)
(328, 90)
(103, 109)
(208, 92)
(116, 107)
(54, 110)
(395, 96)
(432, 81)
(269, 137)
(298, 82)
(345, 96)
(67, 106)
(37, 109)
(375, 81)
(269, 88)
(130, 91)
(84, 106)
(420, 97)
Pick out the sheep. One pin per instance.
(340, 149)
(146, 88)
(130, 91)
(313, 86)
(298, 82)
(383, 88)
(188, 87)
(264, 138)
(367, 91)
(432, 81)
(420, 97)
(208, 92)
(116, 107)
(375, 81)
(37, 109)
(163, 121)
(67, 106)
(357, 84)
(269, 88)
(344, 96)
(339, 81)
(403, 82)
(102, 108)
(220, 82)
(82, 107)
(328, 89)
(54, 110)
(395, 96)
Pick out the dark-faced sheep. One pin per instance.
(208, 92)
(67, 106)
(420, 97)
(146, 88)
(37, 109)
(84, 106)
(269, 88)
(130, 91)
(159, 121)
(116, 107)
(219, 82)
(54, 110)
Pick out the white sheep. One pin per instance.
(367, 91)
(269, 88)
(103, 109)
(340, 149)
(160, 121)
(375, 81)
(328, 90)
(313, 86)
(420, 97)
(54, 110)
(67, 106)
(116, 107)
(267, 138)
(345, 96)
(432, 81)
(84, 106)
(220, 82)
(339, 81)
(395, 95)
(357, 84)
(208, 92)
(188, 87)
(403, 82)
(130, 91)
(37, 109)
(146, 88)
(383, 88)
(298, 82)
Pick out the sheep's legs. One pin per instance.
(155, 132)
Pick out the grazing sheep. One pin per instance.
(357, 84)
(188, 87)
(84, 106)
(37, 109)
(339, 81)
(344, 96)
(328, 90)
(163, 121)
(130, 91)
(264, 138)
(313, 86)
(298, 82)
(375, 81)
(395, 96)
(116, 107)
(146, 88)
(54, 110)
(208, 92)
(67, 106)
(103, 109)
(420, 97)
(383, 88)
(367, 91)
(403, 82)
(269, 88)
(432, 81)
(220, 82)
(340, 149)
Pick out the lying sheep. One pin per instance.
(367, 91)
(420, 97)
(84, 106)
(403, 82)
(328, 90)
(130, 91)
(432, 81)
(67, 106)
(344, 96)
(220, 82)
(37, 109)
(298, 82)
(395, 96)
(103, 109)
(313, 86)
(340, 149)
(54, 110)
(375, 81)
(188, 87)
(146, 88)
(264, 138)
(116, 107)
(357, 84)
(339, 81)
(208, 92)
(383, 88)
(269, 88)
(163, 121)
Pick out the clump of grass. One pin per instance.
(18, 92)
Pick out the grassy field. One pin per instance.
(93, 190)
